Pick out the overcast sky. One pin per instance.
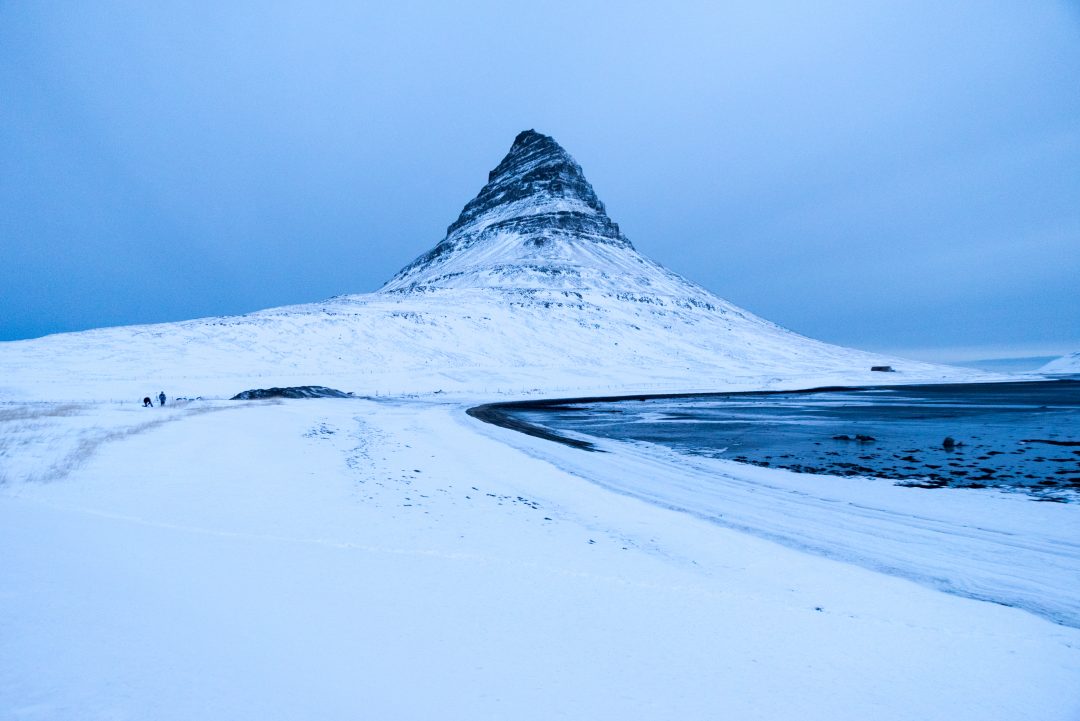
(894, 176)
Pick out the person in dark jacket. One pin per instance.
(147, 403)
(161, 398)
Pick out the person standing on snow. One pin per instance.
(161, 398)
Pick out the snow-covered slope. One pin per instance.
(1065, 364)
(533, 288)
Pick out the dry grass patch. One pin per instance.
(44, 442)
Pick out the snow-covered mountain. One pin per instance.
(534, 287)
(1065, 364)
(538, 224)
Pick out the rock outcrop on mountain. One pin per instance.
(534, 289)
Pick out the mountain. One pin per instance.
(1065, 364)
(537, 224)
(533, 288)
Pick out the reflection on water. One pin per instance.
(1009, 435)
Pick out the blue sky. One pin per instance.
(893, 176)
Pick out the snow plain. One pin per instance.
(397, 559)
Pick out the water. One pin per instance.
(1017, 436)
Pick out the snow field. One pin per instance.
(359, 559)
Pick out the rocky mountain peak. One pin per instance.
(538, 172)
(531, 148)
(536, 223)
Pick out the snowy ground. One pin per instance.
(343, 559)
(1064, 365)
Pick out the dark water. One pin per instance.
(1020, 436)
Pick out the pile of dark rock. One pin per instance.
(293, 392)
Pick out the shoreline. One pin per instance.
(543, 403)
(866, 521)
(501, 413)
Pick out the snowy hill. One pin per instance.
(533, 288)
(1065, 364)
